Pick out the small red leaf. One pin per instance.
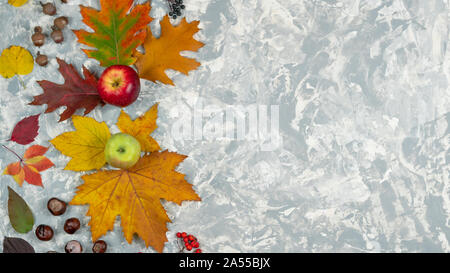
(26, 130)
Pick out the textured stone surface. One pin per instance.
(362, 87)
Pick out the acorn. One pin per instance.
(61, 22)
(48, 8)
(41, 60)
(38, 37)
(57, 35)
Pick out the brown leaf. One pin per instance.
(75, 93)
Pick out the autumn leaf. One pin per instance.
(135, 195)
(74, 94)
(17, 3)
(20, 215)
(16, 60)
(86, 145)
(26, 130)
(164, 52)
(16, 245)
(29, 167)
(141, 128)
(118, 31)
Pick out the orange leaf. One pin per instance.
(117, 31)
(135, 195)
(29, 168)
(141, 128)
(164, 52)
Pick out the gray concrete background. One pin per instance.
(364, 110)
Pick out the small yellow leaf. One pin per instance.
(86, 145)
(141, 128)
(17, 3)
(15, 60)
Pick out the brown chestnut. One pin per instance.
(38, 38)
(99, 247)
(44, 233)
(72, 225)
(48, 8)
(57, 35)
(61, 22)
(73, 247)
(56, 206)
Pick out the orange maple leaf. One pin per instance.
(164, 52)
(29, 167)
(135, 195)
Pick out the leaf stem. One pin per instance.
(21, 81)
(21, 159)
(79, 94)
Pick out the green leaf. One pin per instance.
(20, 215)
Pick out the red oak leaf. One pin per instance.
(29, 167)
(26, 130)
(75, 93)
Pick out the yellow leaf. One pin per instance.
(15, 60)
(135, 195)
(17, 3)
(86, 145)
(141, 128)
(164, 52)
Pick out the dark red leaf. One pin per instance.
(26, 130)
(75, 93)
(16, 245)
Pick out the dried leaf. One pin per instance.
(135, 195)
(118, 31)
(75, 93)
(16, 245)
(26, 130)
(29, 168)
(164, 52)
(86, 145)
(141, 128)
(19, 213)
(15, 60)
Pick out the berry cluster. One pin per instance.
(175, 7)
(188, 241)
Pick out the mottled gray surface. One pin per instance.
(362, 87)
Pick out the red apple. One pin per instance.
(119, 85)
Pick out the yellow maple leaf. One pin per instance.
(164, 52)
(17, 3)
(15, 60)
(141, 128)
(86, 145)
(135, 195)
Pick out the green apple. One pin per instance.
(122, 151)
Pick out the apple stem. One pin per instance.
(21, 159)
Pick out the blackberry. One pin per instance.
(175, 7)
